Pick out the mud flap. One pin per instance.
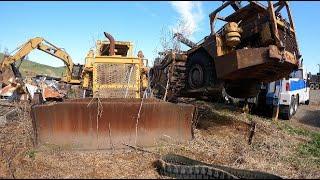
(111, 123)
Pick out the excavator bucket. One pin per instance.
(111, 123)
(5, 75)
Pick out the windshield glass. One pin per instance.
(296, 74)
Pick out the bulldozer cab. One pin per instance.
(122, 48)
(113, 71)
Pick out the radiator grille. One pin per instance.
(116, 80)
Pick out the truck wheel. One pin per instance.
(296, 104)
(288, 111)
(307, 102)
(311, 86)
(317, 86)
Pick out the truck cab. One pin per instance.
(288, 93)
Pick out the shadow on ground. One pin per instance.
(311, 118)
(218, 117)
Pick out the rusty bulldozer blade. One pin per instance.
(111, 123)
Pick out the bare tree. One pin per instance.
(167, 40)
(6, 51)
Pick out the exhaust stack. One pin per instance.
(112, 43)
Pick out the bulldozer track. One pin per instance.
(170, 80)
(177, 80)
(182, 167)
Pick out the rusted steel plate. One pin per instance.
(261, 64)
(7, 90)
(49, 92)
(79, 124)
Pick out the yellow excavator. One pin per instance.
(73, 71)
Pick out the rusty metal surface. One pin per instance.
(49, 92)
(77, 122)
(112, 43)
(262, 64)
(260, 47)
(184, 40)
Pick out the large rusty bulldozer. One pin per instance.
(112, 71)
(256, 44)
(115, 111)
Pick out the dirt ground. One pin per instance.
(315, 96)
(309, 116)
(221, 137)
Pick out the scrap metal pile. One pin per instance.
(29, 89)
(7, 112)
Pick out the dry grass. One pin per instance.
(221, 137)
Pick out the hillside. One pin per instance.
(30, 68)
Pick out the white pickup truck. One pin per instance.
(289, 93)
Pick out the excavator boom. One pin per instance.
(40, 44)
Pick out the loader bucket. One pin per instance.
(111, 123)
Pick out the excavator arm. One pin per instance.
(43, 45)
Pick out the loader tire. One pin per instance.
(316, 86)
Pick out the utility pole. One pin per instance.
(319, 68)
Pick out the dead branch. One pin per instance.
(140, 149)
(252, 131)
